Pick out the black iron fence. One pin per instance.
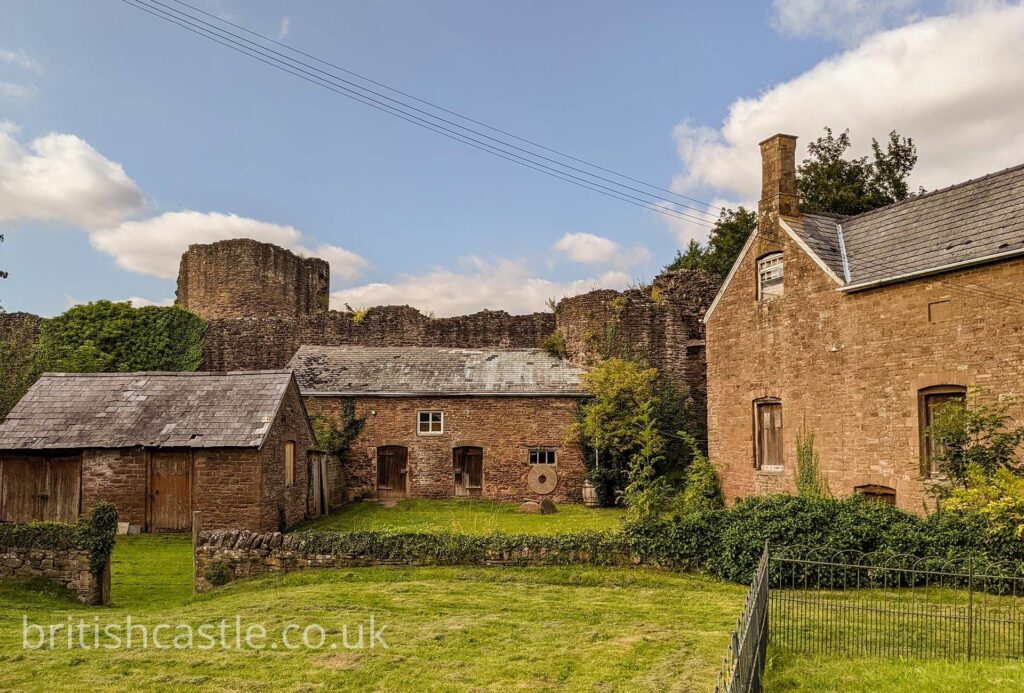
(853, 604)
(743, 666)
(884, 605)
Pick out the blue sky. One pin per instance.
(125, 138)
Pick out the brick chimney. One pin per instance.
(778, 177)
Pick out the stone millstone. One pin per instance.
(531, 507)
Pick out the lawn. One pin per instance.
(581, 629)
(465, 517)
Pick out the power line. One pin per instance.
(441, 108)
(264, 55)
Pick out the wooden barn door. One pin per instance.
(468, 464)
(34, 490)
(318, 500)
(392, 461)
(170, 492)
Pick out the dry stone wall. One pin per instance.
(69, 569)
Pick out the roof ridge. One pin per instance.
(931, 193)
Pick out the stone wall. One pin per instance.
(245, 554)
(69, 569)
(290, 503)
(119, 476)
(505, 427)
(849, 368)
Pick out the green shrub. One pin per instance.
(702, 492)
(554, 344)
(809, 480)
(95, 533)
(217, 574)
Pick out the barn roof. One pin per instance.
(407, 371)
(116, 410)
(970, 223)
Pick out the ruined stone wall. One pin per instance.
(505, 427)
(248, 278)
(69, 569)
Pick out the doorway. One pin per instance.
(170, 492)
(392, 471)
(468, 465)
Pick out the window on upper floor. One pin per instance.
(769, 276)
(429, 423)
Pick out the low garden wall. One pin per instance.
(223, 555)
(76, 557)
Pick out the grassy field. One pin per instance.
(580, 629)
(465, 516)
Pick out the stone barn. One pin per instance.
(236, 446)
(442, 422)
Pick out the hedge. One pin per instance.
(96, 534)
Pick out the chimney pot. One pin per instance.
(778, 176)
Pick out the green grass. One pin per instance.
(789, 672)
(478, 629)
(466, 517)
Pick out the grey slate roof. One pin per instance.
(966, 223)
(355, 370)
(115, 410)
(821, 234)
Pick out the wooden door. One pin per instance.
(41, 489)
(468, 465)
(318, 503)
(170, 492)
(392, 461)
(769, 435)
(63, 490)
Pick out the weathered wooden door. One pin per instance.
(170, 492)
(34, 490)
(769, 434)
(468, 465)
(318, 501)
(392, 461)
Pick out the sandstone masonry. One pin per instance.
(69, 569)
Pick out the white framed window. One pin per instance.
(430, 423)
(542, 455)
(769, 276)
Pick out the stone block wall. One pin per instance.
(278, 500)
(505, 427)
(69, 569)
(120, 477)
(246, 554)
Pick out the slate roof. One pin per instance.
(395, 371)
(971, 222)
(116, 410)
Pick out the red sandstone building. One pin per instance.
(443, 422)
(856, 328)
(236, 446)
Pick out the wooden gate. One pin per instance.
(392, 461)
(170, 492)
(319, 496)
(41, 489)
(468, 465)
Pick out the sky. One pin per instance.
(124, 138)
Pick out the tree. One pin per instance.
(975, 438)
(725, 241)
(828, 183)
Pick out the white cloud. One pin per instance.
(139, 302)
(945, 81)
(503, 285)
(60, 178)
(154, 246)
(588, 249)
(285, 28)
(13, 92)
(21, 59)
(846, 20)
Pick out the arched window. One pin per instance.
(929, 401)
(877, 493)
(769, 276)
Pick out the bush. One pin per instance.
(217, 574)
(702, 491)
(554, 344)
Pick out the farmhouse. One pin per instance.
(235, 446)
(443, 422)
(856, 328)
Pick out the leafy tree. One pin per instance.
(646, 494)
(975, 438)
(725, 241)
(615, 422)
(17, 364)
(999, 498)
(106, 336)
(829, 183)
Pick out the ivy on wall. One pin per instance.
(100, 337)
(95, 533)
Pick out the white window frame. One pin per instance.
(554, 456)
(429, 422)
(769, 267)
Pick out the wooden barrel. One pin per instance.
(590, 498)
